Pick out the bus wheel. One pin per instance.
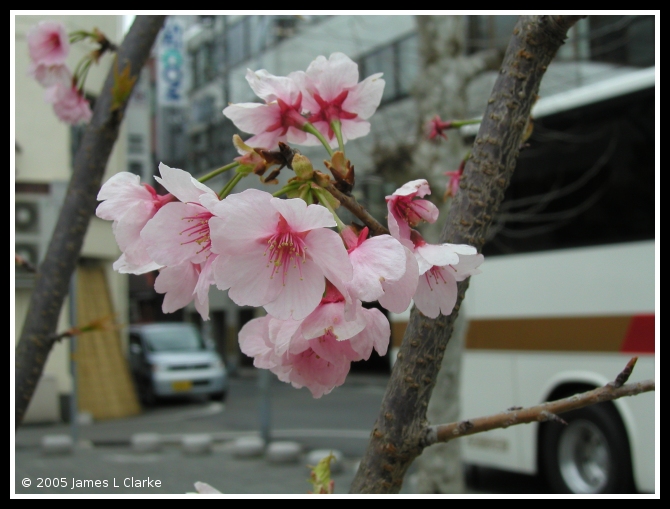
(589, 455)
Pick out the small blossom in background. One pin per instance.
(405, 211)
(49, 46)
(454, 180)
(276, 253)
(69, 104)
(48, 43)
(436, 127)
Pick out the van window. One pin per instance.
(182, 339)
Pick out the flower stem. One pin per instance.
(324, 201)
(309, 128)
(336, 126)
(230, 185)
(461, 123)
(218, 171)
(284, 190)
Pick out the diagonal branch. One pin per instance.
(540, 413)
(399, 433)
(53, 277)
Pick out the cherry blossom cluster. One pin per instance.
(305, 105)
(49, 46)
(284, 255)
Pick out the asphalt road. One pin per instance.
(341, 420)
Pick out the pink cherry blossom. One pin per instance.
(437, 126)
(48, 43)
(441, 267)
(178, 237)
(276, 253)
(332, 93)
(130, 205)
(279, 119)
(69, 104)
(384, 270)
(316, 352)
(50, 75)
(405, 211)
(454, 179)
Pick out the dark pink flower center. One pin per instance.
(285, 249)
(331, 110)
(198, 231)
(412, 211)
(434, 274)
(289, 116)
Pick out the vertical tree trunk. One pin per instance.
(53, 276)
(400, 433)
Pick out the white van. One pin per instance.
(172, 359)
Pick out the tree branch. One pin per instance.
(350, 203)
(399, 436)
(53, 277)
(539, 413)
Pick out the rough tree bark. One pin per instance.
(399, 434)
(441, 88)
(53, 276)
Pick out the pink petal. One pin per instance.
(365, 97)
(327, 250)
(376, 334)
(181, 184)
(330, 77)
(167, 239)
(300, 294)
(375, 260)
(330, 318)
(435, 254)
(270, 88)
(250, 219)
(354, 128)
(248, 278)
(419, 188)
(124, 267)
(301, 217)
(48, 43)
(467, 266)
(177, 283)
(281, 334)
(434, 297)
(398, 294)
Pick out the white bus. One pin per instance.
(546, 325)
(567, 295)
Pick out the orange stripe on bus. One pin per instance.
(586, 334)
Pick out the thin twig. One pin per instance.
(540, 413)
(350, 203)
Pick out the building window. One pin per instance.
(400, 64)
(136, 168)
(135, 143)
(237, 47)
(623, 40)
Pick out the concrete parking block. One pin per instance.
(318, 454)
(283, 452)
(248, 447)
(197, 444)
(57, 444)
(145, 442)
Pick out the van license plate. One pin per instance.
(182, 385)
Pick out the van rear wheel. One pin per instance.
(589, 455)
